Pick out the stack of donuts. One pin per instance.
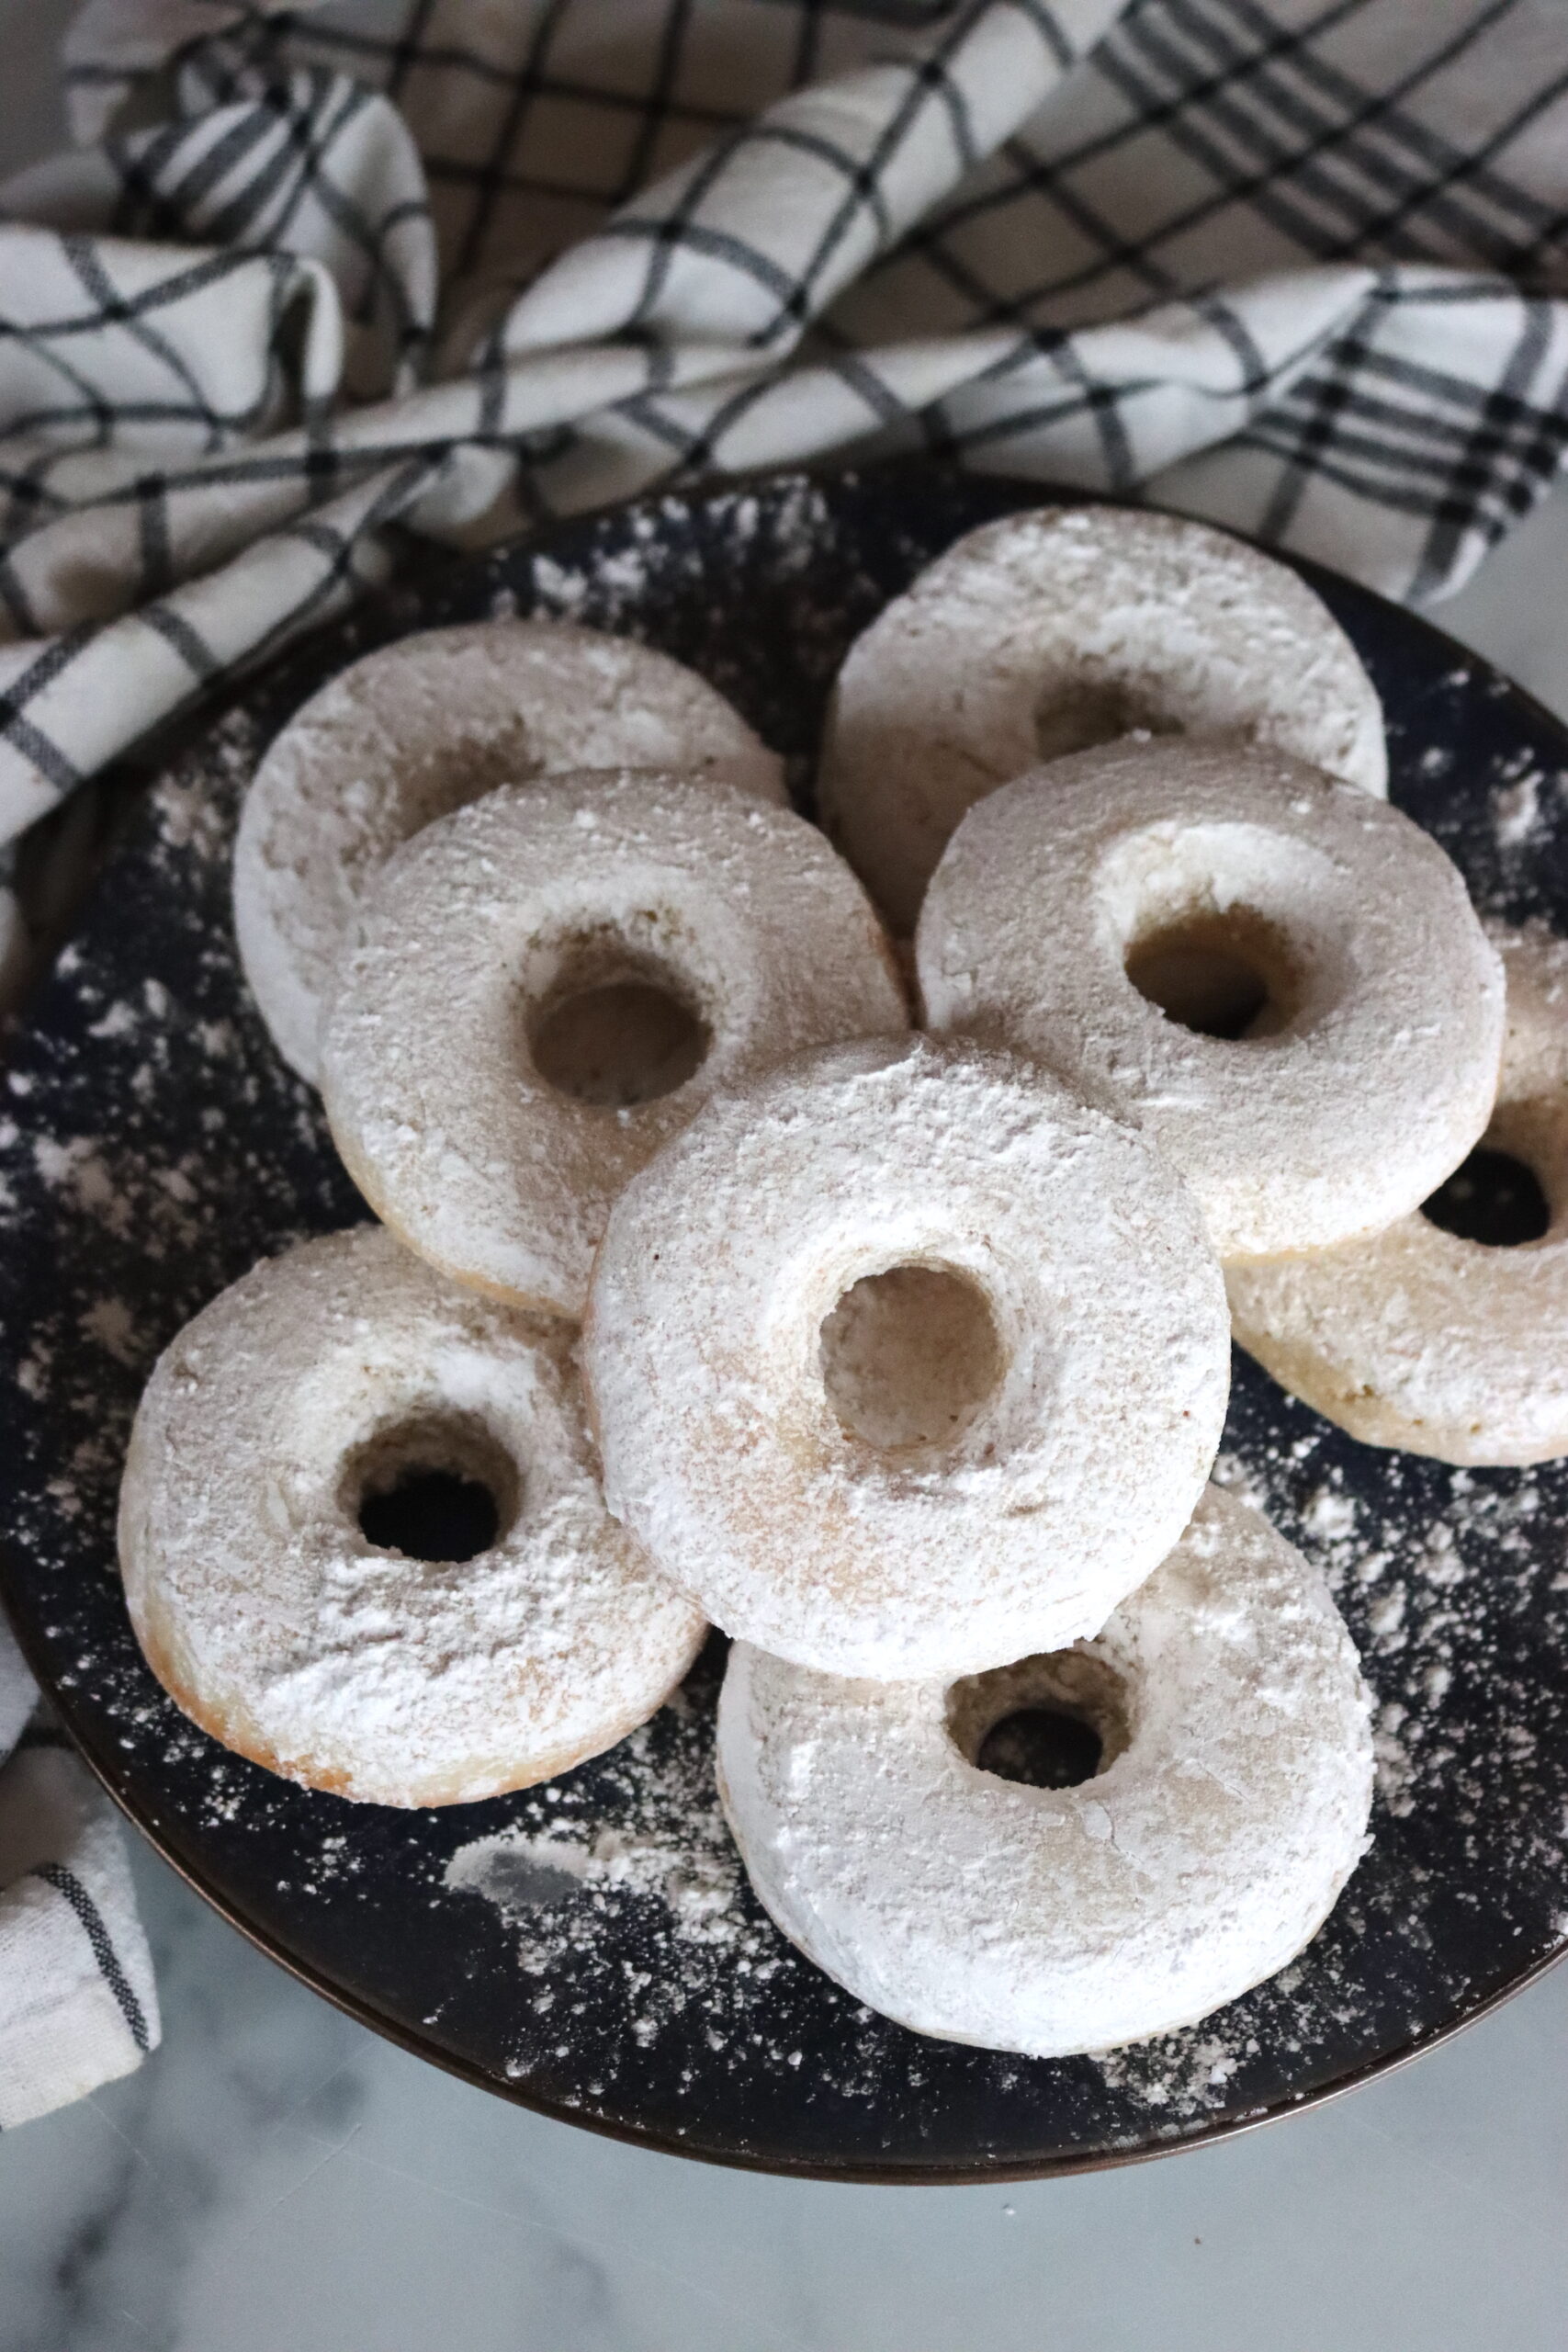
(899, 1352)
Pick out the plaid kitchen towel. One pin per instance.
(77, 2002)
(460, 265)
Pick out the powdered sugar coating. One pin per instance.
(419, 727)
(1380, 1076)
(1462, 1894)
(1051, 1921)
(703, 1358)
(1417, 1338)
(428, 1073)
(1047, 632)
(283, 1631)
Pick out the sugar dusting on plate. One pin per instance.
(594, 1942)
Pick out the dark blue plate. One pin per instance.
(591, 1949)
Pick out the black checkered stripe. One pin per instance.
(1296, 264)
(89, 1918)
(70, 1889)
(65, 1946)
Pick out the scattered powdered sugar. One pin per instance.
(651, 1866)
(529, 1877)
(1525, 804)
(1517, 808)
(523, 1875)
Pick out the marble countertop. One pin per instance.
(276, 2176)
(276, 2179)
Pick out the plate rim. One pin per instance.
(147, 761)
(853, 2172)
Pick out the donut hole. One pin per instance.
(910, 1356)
(615, 1029)
(1042, 1747)
(431, 1515)
(1492, 1198)
(1220, 974)
(1078, 714)
(1050, 1722)
(439, 1489)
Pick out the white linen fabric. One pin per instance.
(462, 264)
(78, 2005)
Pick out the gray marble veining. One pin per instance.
(278, 2180)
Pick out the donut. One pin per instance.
(548, 983)
(415, 731)
(902, 1359)
(275, 1420)
(1053, 631)
(1228, 1809)
(1278, 975)
(1417, 1338)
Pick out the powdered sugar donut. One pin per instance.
(1335, 1016)
(1049, 632)
(285, 1631)
(903, 1358)
(1418, 1339)
(416, 730)
(547, 983)
(1229, 1808)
